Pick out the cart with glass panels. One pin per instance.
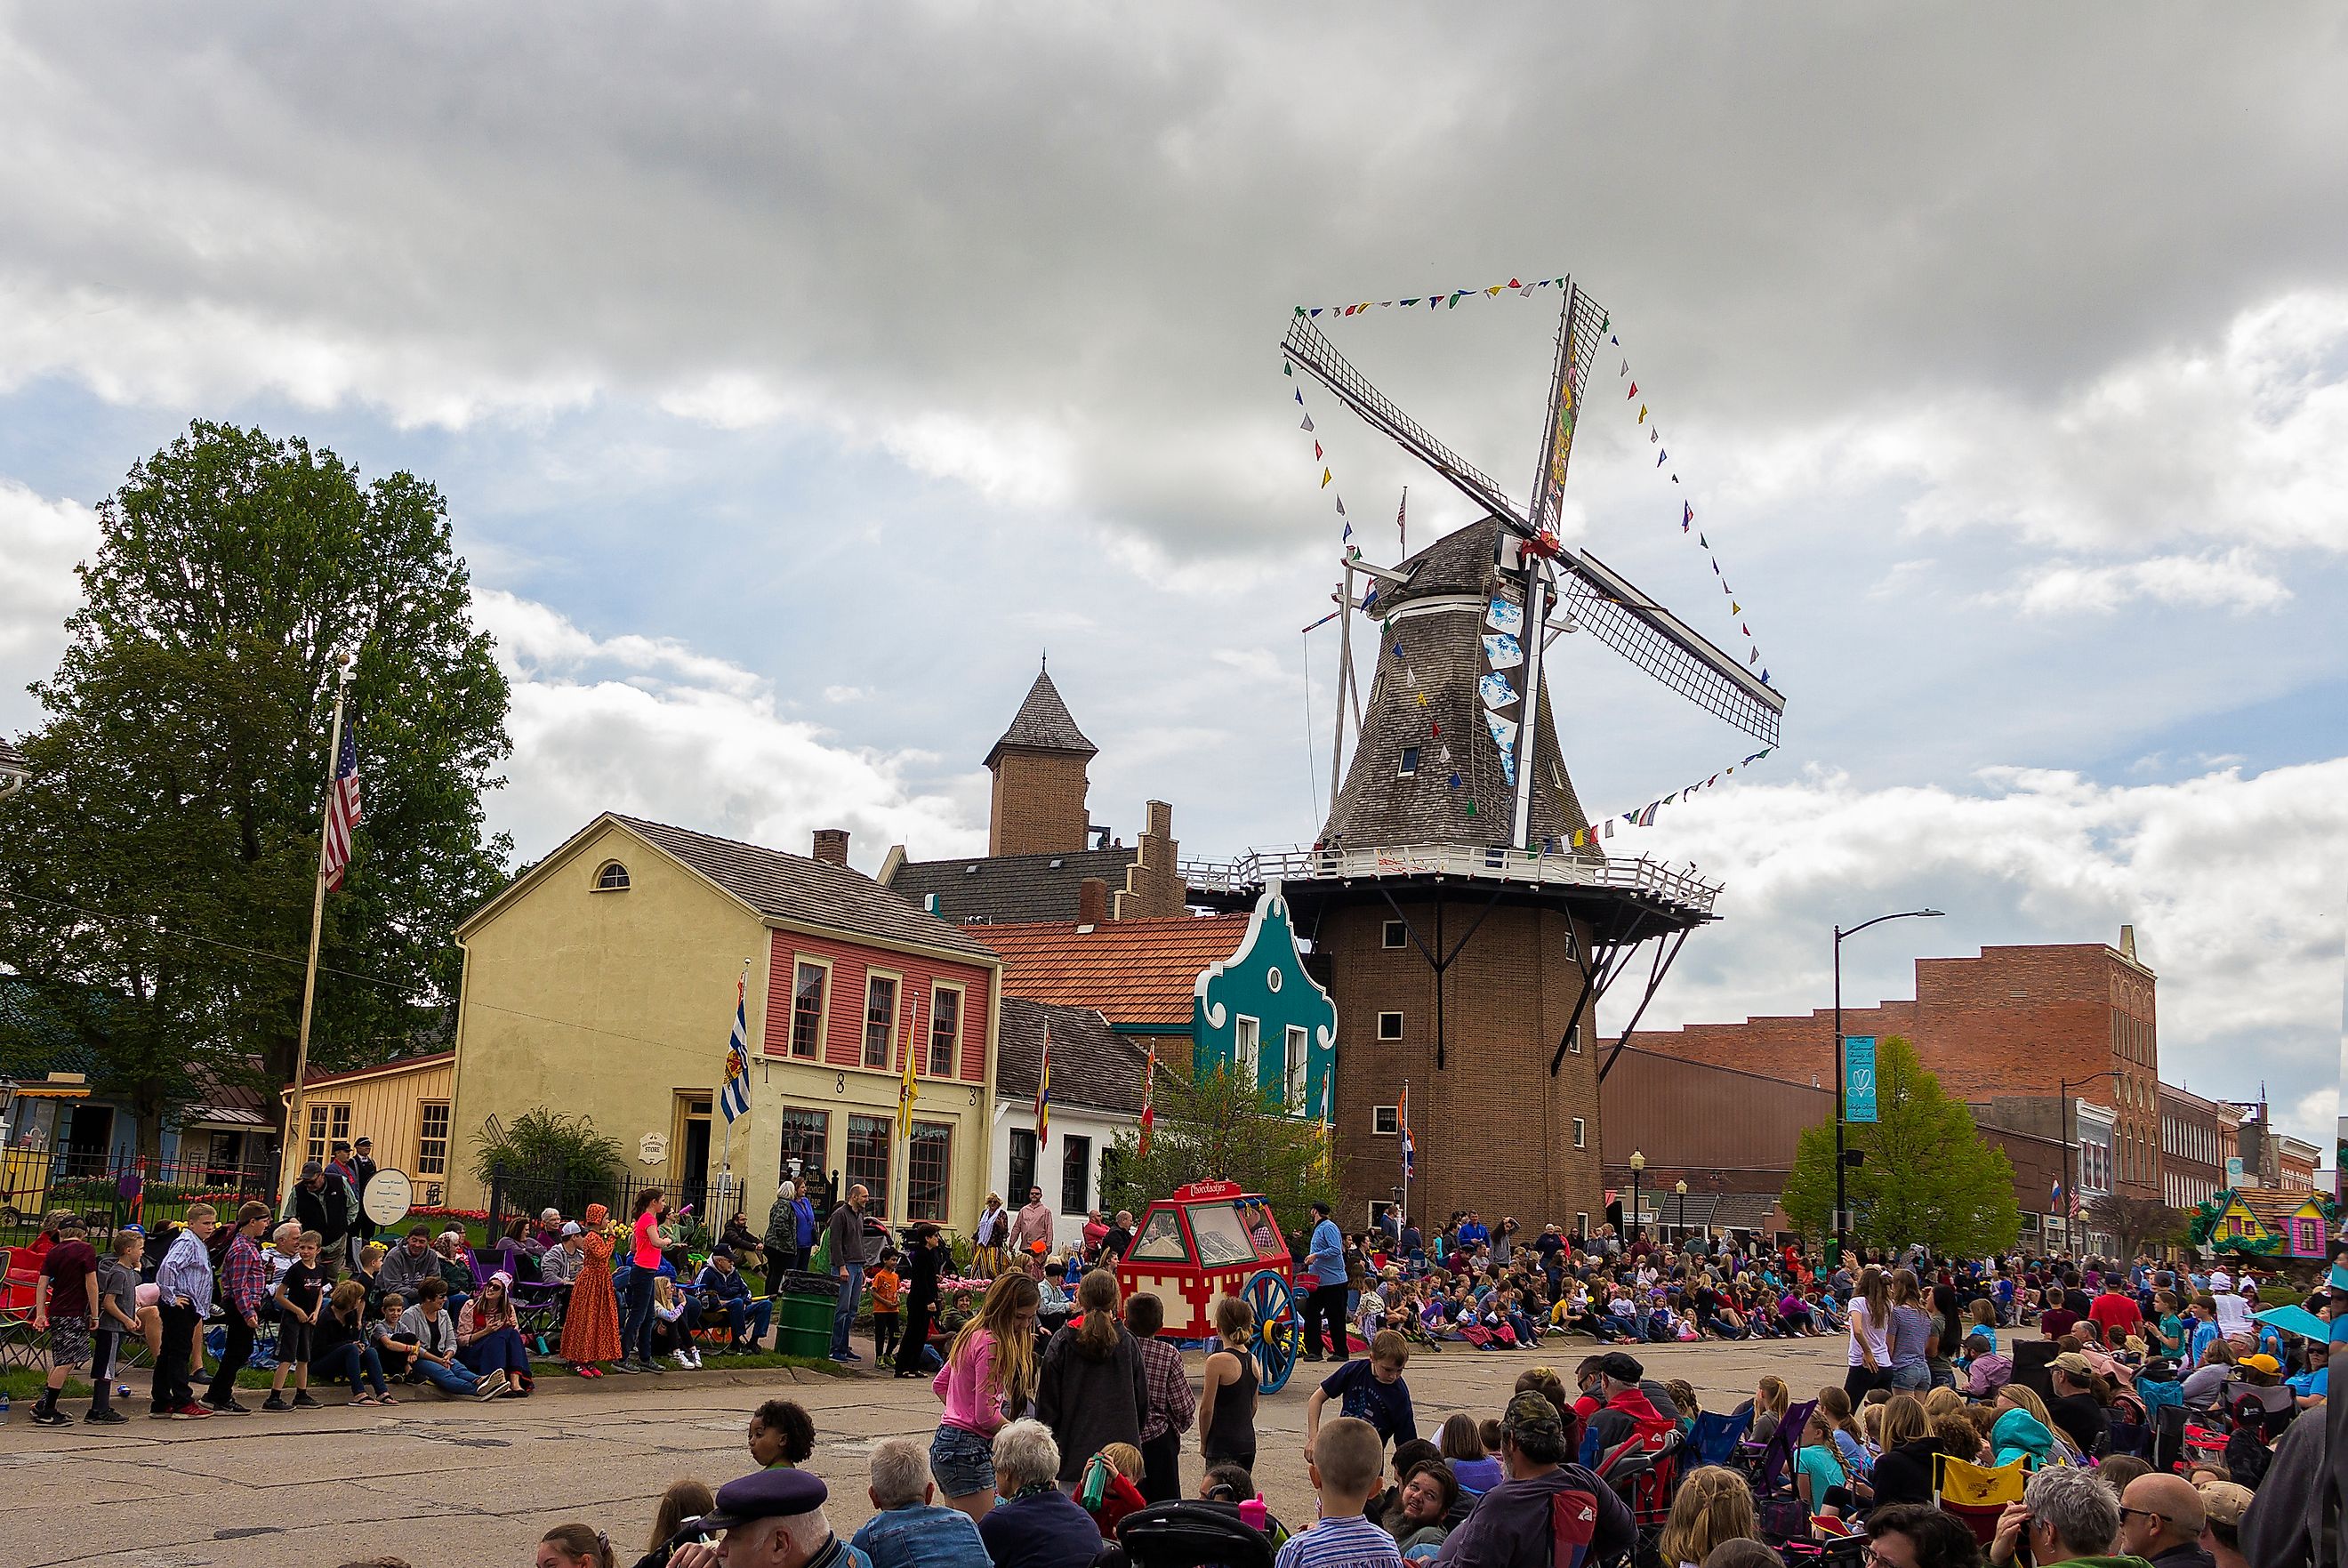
(1213, 1239)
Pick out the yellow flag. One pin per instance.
(1643, 413)
(1969, 1485)
(1324, 479)
(910, 1089)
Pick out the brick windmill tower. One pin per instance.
(1467, 936)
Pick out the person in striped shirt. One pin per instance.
(1348, 1460)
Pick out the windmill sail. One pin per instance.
(1579, 329)
(1624, 617)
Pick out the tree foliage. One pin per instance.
(549, 1149)
(2137, 1223)
(1929, 1176)
(1221, 1129)
(162, 857)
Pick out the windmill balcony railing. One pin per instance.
(1298, 862)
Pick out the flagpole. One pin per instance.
(317, 920)
(1406, 1162)
(725, 1149)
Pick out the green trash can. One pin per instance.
(803, 1315)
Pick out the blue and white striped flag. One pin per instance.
(735, 1098)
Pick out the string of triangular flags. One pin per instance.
(1687, 510)
(1644, 816)
(1434, 738)
(1440, 300)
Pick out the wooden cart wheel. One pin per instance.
(1275, 1329)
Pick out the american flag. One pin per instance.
(343, 812)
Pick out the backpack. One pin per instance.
(1572, 1524)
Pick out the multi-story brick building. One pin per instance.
(2198, 1137)
(2012, 1021)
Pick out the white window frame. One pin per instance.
(1385, 1120)
(896, 1021)
(1581, 1223)
(1394, 934)
(1581, 1133)
(822, 1012)
(1407, 766)
(1295, 1060)
(1573, 1039)
(1393, 1034)
(1247, 1050)
(930, 1032)
(622, 885)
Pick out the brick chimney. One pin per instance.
(1092, 901)
(1154, 888)
(832, 845)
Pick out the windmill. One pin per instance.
(1463, 934)
(1547, 576)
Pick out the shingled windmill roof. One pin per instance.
(1043, 724)
(1440, 659)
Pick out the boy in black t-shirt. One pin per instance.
(1370, 1389)
(64, 1303)
(300, 1298)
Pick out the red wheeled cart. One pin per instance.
(1212, 1239)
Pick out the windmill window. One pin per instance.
(1390, 1025)
(1579, 1133)
(1573, 1039)
(1385, 1120)
(1556, 775)
(612, 878)
(1397, 934)
(1409, 762)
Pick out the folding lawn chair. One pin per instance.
(1715, 1438)
(1976, 1494)
(1771, 1463)
(538, 1301)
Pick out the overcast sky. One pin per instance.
(797, 377)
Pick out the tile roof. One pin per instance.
(11, 760)
(1134, 971)
(1043, 724)
(1744, 1211)
(1092, 1065)
(795, 887)
(1431, 687)
(1010, 887)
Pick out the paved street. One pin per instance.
(460, 1485)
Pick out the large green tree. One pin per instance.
(1928, 1174)
(158, 865)
(1221, 1129)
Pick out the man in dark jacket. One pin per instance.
(845, 1235)
(362, 1169)
(1515, 1525)
(321, 1202)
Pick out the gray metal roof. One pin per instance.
(794, 887)
(1441, 658)
(11, 760)
(1043, 724)
(1010, 889)
(1092, 1065)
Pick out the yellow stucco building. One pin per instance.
(601, 983)
(403, 1106)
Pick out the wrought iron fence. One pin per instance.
(108, 1191)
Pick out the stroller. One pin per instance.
(1186, 1535)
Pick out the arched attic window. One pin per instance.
(612, 878)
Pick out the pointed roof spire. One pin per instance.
(1043, 724)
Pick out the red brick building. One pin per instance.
(2198, 1137)
(2011, 1021)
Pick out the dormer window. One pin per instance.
(612, 878)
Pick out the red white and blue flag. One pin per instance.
(343, 812)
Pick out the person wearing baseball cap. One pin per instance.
(1626, 1409)
(1511, 1523)
(773, 1518)
(2223, 1503)
(2077, 1405)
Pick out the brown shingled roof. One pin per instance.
(11, 760)
(1134, 971)
(1092, 1065)
(1010, 887)
(1043, 724)
(794, 887)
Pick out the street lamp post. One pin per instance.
(1638, 1163)
(1679, 1189)
(1834, 1250)
(2065, 1123)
